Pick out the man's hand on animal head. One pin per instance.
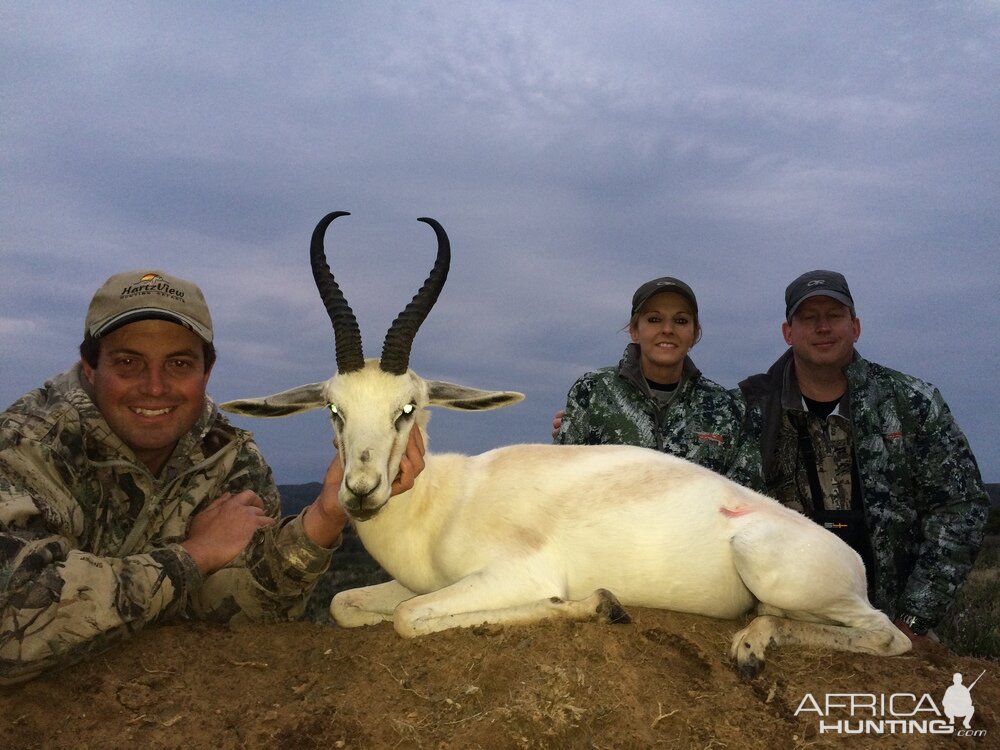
(411, 464)
(325, 519)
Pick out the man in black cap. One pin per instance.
(870, 453)
(126, 498)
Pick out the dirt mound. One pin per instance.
(663, 680)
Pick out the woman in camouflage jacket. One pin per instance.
(656, 397)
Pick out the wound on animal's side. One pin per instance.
(735, 512)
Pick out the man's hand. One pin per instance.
(411, 464)
(917, 640)
(557, 422)
(220, 532)
(325, 518)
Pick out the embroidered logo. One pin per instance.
(706, 437)
(152, 283)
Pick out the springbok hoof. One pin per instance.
(610, 610)
(749, 645)
(749, 668)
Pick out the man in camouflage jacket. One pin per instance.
(896, 474)
(127, 499)
(701, 422)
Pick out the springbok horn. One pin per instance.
(350, 356)
(399, 339)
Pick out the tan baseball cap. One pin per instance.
(144, 295)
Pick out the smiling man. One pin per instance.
(126, 498)
(870, 453)
(149, 384)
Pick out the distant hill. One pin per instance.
(295, 497)
(994, 493)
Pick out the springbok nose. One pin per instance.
(364, 487)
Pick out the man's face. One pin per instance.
(822, 333)
(149, 385)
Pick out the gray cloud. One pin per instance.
(572, 150)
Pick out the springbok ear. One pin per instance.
(463, 398)
(293, 401)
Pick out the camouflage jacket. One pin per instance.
(924, 503)
(90, 541)
(701, 423)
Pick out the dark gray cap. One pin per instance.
(816, 284)
(662, 284)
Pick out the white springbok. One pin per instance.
(528, 532)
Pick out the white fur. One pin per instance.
(526, 532)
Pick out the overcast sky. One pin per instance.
(571, 150)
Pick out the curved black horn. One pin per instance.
(350, 356)
(399, 339)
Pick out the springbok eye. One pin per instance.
(404, 414)
(333, 409)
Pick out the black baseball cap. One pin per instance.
(662, 284)
(816, 284)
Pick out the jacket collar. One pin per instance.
(782, 373)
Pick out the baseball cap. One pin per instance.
(662, 284)
(816, 284)
(144, 295)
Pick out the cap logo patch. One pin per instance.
(152, 283)
(816, 282)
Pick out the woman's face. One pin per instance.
(665, 330)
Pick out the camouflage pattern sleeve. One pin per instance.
(59, 605)
(272, 579)
(745, 468)
(575, 427)
(953, 503)
(603, 408)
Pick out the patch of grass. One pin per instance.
(972, 627)
(993, 522)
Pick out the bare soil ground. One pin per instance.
(664, 680)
